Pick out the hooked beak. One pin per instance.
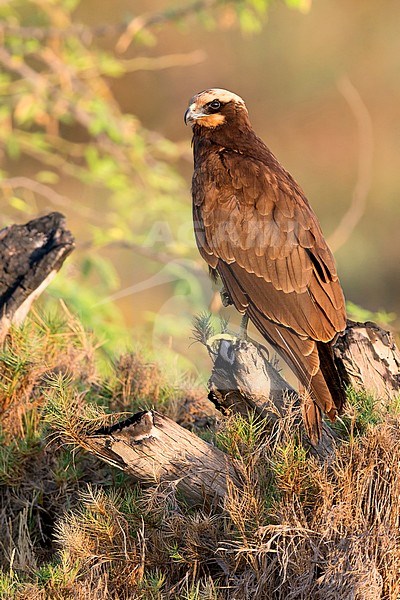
(191, 116)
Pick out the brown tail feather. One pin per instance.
(331, 375)
(325, 389)
(315, 370)
(312, 417)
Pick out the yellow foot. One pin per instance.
(214, 339)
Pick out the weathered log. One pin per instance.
(154, 449)
(243, 380)
(368, 359)
(30, 256)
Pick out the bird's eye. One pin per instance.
(215, 105)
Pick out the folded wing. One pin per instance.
(254, 225)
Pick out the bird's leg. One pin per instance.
(243, 327)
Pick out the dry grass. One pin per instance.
(47, 345)
(74, 528)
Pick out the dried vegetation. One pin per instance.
(72, 527)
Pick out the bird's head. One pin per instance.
(214, 108)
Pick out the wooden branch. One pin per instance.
(86, 34)
(154, 449)
(30, 256)
(243, 380)
(368, 359)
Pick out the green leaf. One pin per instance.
(48, 177)
(303, 6)
(25, 109)
(20, 205)
(13, 148)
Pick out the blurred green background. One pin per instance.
(91, 125)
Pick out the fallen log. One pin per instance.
(154, 449)
(30, 256)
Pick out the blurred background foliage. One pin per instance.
(91, 125)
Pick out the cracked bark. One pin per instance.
(244, 381)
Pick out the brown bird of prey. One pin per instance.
(256, 230)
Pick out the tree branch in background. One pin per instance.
(144, 21)
(365, 154)
(35, 186)
(156, 63)
(40, 82)
(147, 252)
(126, 30)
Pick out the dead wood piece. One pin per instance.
(152, 449)
(368, 359)
(243, 380)
(30, 256)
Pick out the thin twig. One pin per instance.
(145, 251)
(156, 63)
(86, 34)
(36, 187)
(145, 21)
(365, 154)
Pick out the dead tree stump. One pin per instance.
(30, 256)
(243, 380)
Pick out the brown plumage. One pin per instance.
(256, 229)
